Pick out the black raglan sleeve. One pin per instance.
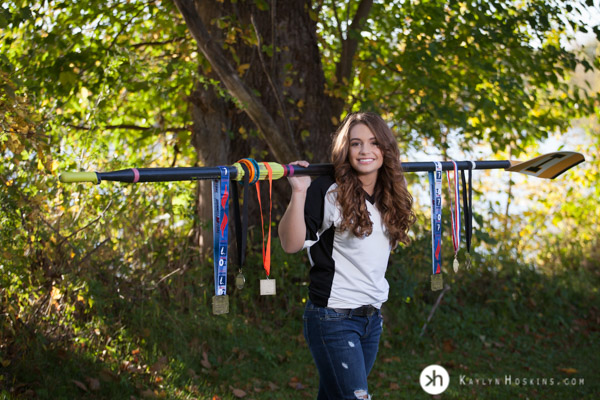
(314, 208)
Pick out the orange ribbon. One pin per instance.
(266, 253)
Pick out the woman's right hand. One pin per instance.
(292, 227)
(299, 183)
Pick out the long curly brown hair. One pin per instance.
(391, 195)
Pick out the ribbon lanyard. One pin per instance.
(435, 185)
(241, 226)
(455, 213)
(266, 253)
(220, 197)
(468, 211)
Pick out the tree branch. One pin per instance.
(435, 306)
(343, 69)
(338, 23)
(159, 43)
(131, 127)
(125, 25)
(283, 149)
(273, 87)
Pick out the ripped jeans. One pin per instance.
(344, 348)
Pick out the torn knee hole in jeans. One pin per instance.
(362, 394)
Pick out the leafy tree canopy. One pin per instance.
(495, 71)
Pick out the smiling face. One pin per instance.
(364, 153)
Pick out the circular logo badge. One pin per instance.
(434, 379)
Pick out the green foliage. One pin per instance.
(163, 341)
(103, 293)
(95, 67)
(497, 72)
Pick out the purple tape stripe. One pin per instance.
(136, 175)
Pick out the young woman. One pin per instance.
(349, 223)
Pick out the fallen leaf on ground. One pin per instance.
(448, 345)
(108, 376)
(80, 385)
(148, 394)
(294, 383)
(239, 393)
(569, 371)
(159, 365)
(93, 383)
(205, 363)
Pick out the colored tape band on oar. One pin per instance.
(249, 169)
(73, 177)
(277, 171)
(253, 168)
(136, 175)
(256, 170)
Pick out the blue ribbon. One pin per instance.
(220, 198)
(435, 186)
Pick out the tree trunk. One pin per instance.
(278, 110)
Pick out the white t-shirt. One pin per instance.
(346, 271)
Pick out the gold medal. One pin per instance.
(455, 264)
(437, 282)
(220, 304)
(240, 280)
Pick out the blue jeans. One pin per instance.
(344, 348)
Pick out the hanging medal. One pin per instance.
(468, 211)
(435, 185)
(241, 226)
(220, 201)
(454, 213)
(267, 286)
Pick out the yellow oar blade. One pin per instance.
(549, 165)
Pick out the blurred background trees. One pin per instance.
(104, 85)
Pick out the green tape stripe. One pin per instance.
(71, 177)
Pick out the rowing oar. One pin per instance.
(547, 166)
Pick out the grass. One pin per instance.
(509, 333)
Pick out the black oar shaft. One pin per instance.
(164, 174)
(425, 166)
(448, 166)
(199, 173)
